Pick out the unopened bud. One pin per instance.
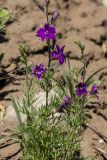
(55, 15)
(81, 45)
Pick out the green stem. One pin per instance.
(49, 59)
(84, 71)
(83, 77)
(48, 41)
(49, 51)
(47, 98)
(28, 90)
(47, 13)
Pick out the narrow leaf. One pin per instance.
(89, 79)
(17, 112)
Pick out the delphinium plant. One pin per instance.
(53, 131)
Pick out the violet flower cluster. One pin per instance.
(48, 32)
(81, 89)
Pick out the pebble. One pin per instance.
(101, 141)
(10, 114)
(105, 3)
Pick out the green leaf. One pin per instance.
(70, 85)
(3, 13)
(80, 70)
(91, 82)
(22, 60)
(5, 16)
(80, 45)
(90, 77)
(15, 106)
(1, 57)
(23, 50)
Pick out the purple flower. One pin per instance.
(46, 32)
(67, 100)
(65, 104)
(94, 91)
(58, 54)
(81, 89)
(38, 71)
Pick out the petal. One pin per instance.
(81, 85)
(33, 74)
(36, 68)
(61, 59)
(43, 37)
(33, 69)
(46, 26)
(52, 29)
(94, 89)
(62, 49)
(78, 93)
(39, 77)
(81, 92)
(58, 48)
(54, 55)
(41, 66)
(51, 36)
(41, 33)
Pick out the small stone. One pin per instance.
(104, 48)
(10, 117)
(105, 3)
(101, 141)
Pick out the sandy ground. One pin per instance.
(84, 20)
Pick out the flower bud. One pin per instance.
(67, 100)
(55, 15)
